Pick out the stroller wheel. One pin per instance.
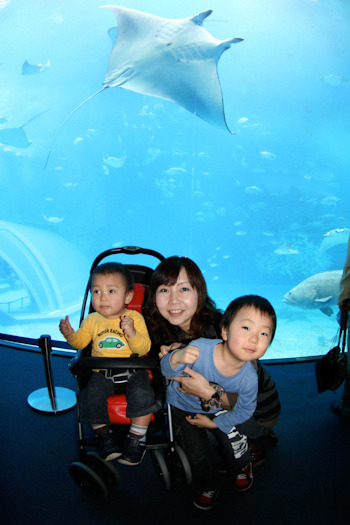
(105, 469)
(87, 479)
(178, 465)
(161, 467)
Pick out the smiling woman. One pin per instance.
(178, 305)
(178, 302)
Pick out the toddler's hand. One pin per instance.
(127, 325)
(187, 355)
(66, 328)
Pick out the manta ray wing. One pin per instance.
(172, 59)
(14, 137)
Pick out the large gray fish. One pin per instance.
(320, 291)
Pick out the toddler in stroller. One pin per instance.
(112, 331)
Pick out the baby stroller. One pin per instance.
(92, 473)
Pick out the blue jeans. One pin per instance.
(139, 396)
(196, 442)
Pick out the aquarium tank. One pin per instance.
(222, 136)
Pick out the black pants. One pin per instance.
(139, 396)
(197, 444)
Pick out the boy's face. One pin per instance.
(249, 334)
(109, 295)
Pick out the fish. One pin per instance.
(34, 69)
(285, 249)
(267, 155)
(54, 220)
(115, 162)
(320, 291)
(242, 120)
(334, 80)
(335, 237)
(17, 137)
(170, 59)
(253, 190)
(331, 200)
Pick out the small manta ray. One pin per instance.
(172, 59)
(285, 249)
(335, 237)
(16, 137)
(34, 69)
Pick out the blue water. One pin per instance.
(130, 169)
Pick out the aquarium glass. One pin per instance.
(261, 206)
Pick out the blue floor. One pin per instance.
(304, 479)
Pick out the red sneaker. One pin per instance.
(205, 500)
(244, 480)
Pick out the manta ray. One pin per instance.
(172, 59)
(335, 237)
(34, 69)
(16, 137)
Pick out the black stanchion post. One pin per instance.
(46, 349)
(50, 399)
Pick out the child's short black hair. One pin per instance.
(257, 302)
(114, 267)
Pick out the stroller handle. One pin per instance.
(128, 250)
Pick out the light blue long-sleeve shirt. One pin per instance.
(244, 383)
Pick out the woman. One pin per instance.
(179, 310)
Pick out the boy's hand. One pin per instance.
(187, 355)
(201, 421)
(66, 328)
(127, 325)
(165, 349)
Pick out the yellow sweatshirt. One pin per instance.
(108, 340)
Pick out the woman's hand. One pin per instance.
(201, 421)
(194, 384)
(197, 385)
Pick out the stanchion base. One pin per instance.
(65, 399)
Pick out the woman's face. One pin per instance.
(178, 303)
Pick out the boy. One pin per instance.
(114, 332)
(247, 328)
